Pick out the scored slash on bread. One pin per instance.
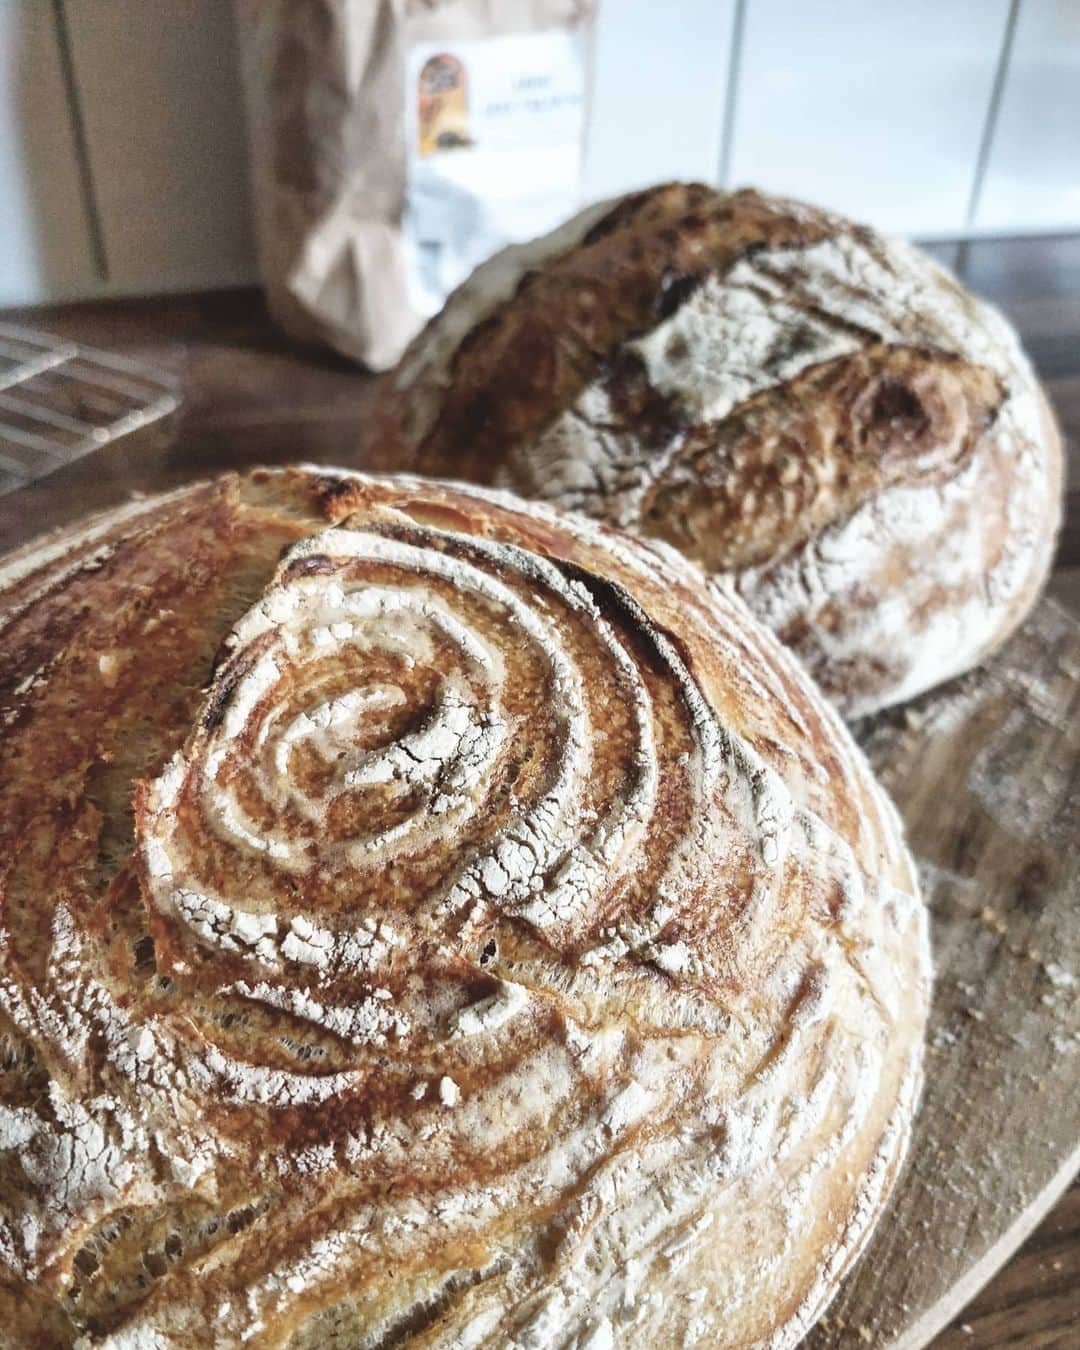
(789, 463)
(820, 416)
(428, 920)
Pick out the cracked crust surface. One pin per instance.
(426, 920)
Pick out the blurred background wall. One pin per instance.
(122, 160)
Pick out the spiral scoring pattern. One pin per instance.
(523, 924)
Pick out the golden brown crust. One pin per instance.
(756, 382)
(535, 353)
(463, 919)
(795, 459)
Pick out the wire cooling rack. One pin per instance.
(59, 400)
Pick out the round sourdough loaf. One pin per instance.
(426, 920)
(818, 414)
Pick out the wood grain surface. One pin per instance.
(249, 397)
(986, 773)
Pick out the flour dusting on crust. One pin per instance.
(512, 929)
(820, 416)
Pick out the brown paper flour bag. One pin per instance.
(398, 143)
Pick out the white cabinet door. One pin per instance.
(1033, 173)
(660, 77)
(160, 92)
(873, 107)
(45, 249)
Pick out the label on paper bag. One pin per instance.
(494, 130)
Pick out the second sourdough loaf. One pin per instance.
(817, 414)
(429, 921)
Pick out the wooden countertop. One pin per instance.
(249, 397)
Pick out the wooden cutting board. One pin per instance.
(986, 773)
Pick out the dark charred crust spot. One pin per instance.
(896, 402)
(218, 699)
(143, 956)
(335, 497)
(225, 681)
(313, 565)
(86, 1263)
(675, 290)
(636, 403)
(404, 533)
(330, 489)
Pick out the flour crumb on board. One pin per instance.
(993, 920)
(1060, 976)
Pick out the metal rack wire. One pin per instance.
(60, 400)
